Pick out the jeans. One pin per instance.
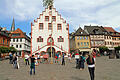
(31, 70)
(63, 62)
(91, 71)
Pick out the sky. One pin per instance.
(76, 12)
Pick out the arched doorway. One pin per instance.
(49, 51)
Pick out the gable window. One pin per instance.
(13, 35)
(59, 27)
(60, 39)
(40, 39)
(53, 18)
(40, 26)
(46, 18)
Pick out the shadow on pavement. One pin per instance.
(76, 78)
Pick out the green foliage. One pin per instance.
(103, 49)
(4, 49)
(7, 49)
(12, 49)
(47, 3)
(117, 48)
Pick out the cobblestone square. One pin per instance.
(106, 69)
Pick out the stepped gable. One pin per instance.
(35, 21)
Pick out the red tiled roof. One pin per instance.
(18, 31)
(109, 29)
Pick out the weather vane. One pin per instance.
(48, 3)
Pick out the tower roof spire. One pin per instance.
(13, 25)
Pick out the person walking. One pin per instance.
(10, 58)
(14, 61)
(27, 59)
(32, 66)
(81, 62)
(91, 66)
(94, 54)
(63, 59)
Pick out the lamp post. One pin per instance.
(51, 38)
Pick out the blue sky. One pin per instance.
(76, 13)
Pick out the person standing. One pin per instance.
(77, 60)
(69, 57)
(63, 59)
(32, 66)
(91, 66)
(17, 64)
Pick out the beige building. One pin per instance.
(80, 40)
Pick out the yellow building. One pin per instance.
(80, 40)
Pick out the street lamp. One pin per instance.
(50, 7)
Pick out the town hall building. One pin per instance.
(48, 31)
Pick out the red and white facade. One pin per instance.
(49, 27)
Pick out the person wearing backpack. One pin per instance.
(91, 66)
(81, 62)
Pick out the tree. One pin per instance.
(12, 49)
(117, 48)
(103, 49)
(47, 3)
(4, 50)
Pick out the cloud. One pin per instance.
(77, 12)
